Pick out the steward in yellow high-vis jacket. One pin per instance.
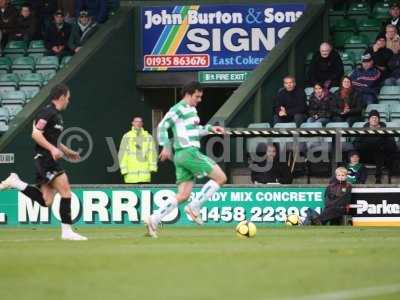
(137, 154)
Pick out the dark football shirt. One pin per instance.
(50, 121)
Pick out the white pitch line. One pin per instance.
(352, 294)
(27, 240)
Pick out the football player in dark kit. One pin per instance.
(50, 176)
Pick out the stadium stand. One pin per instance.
(25, 67)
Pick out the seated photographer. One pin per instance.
(266, 167)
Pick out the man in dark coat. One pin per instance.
(290, 103)
(27, 28)
(57, 35)
(326, 67)
(268, 168)
(394, 17)
(8, 21)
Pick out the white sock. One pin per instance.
(66, 228)
(20, 185)
(169, 206)
(17, 183)
(206, 193)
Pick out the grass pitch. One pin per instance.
(202, 263)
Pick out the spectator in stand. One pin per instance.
(290, 103)
(392, 38)
(326, 67)
(380, 55)
(380, 149)
(8, 21)
(394, 69)
(27, 25)
(82, 30)
(267, 168)
(394, 17)
(99, 11)
(349, 103)
(366, 80)
(322, 105)
(356, 171)
(57, 35)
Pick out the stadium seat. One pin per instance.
(252, 143)
(390, 102)
(381, 10)
(36, 49)
(8, 82)
(358, 124)
(348, 61)
(356, 44)
(393, 124)
(309, 91)
(259, 125)
(3, 128)
(337, 13)
(23, 65)
(15, 49)
(285, 125)
(395, 112)
(47, 63)
(5, 65)
(47, 66)
(341, 31)
(370, 28)
(381, 108)
(13, 101)
(30, 84)
(358, 10)
(337, 125)
(334, 89)
(65, 61)
(47, 75)
(4, 115)
(389, 92)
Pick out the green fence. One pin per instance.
(128, 206)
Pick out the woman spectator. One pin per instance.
(322, 106)
(349, 103)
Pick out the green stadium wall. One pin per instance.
(105, 94)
